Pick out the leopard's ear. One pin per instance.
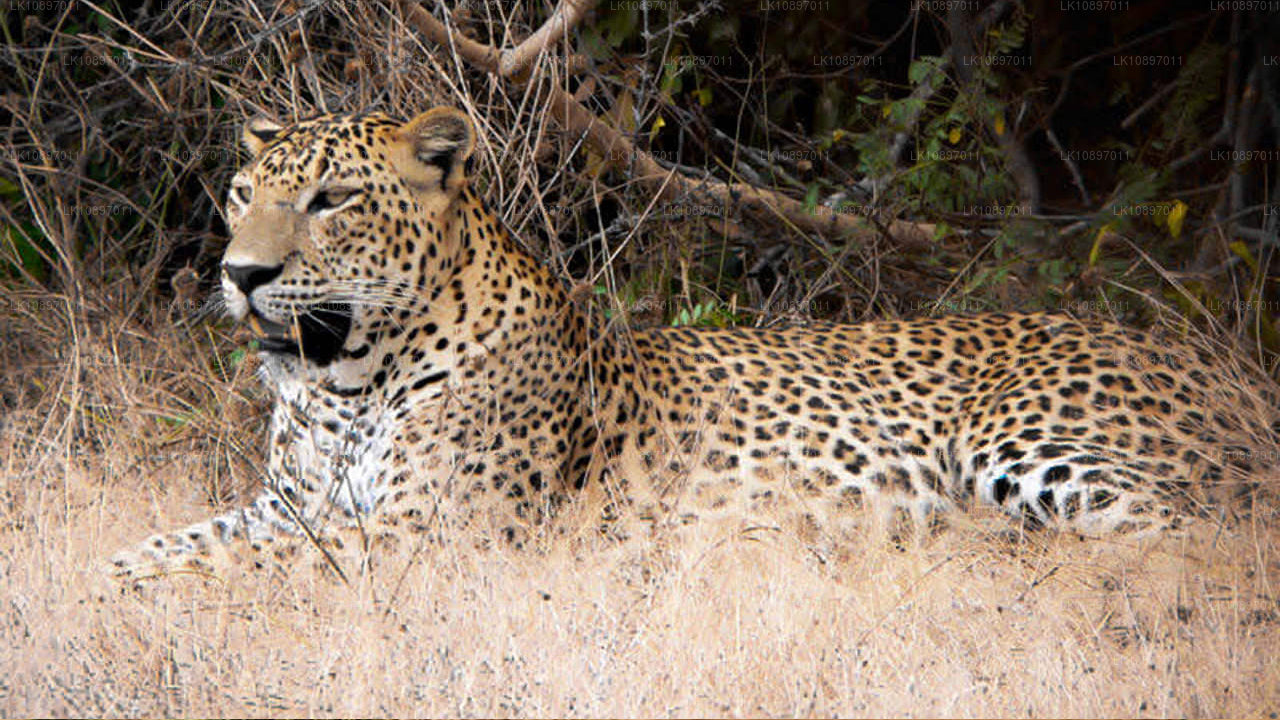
(258, 133)
(438, 141)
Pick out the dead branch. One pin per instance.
(622, 154)
(564, 19)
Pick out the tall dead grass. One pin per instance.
(969, 623)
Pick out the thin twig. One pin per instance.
(1076, 178)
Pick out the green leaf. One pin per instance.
(927, 67)
(20, 251)
(811, 197)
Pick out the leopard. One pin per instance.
(429, 374)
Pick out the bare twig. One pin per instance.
(1150, 103)
(1076, 178)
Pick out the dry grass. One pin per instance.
(963, 625)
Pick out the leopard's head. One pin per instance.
(340, 220)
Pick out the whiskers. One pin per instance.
(378, 294)
(341, 297)
(370, 293)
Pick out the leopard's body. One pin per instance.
(430, 372)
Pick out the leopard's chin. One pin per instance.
(316, 336)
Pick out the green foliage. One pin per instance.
(602, 39)
(1008, 259)
(704, 314)
(1197, 90)
(1139, 187)
(927, 69)
(23, 247)
(23, 252)
(956, 161)
(226, 366)
(1007, 37)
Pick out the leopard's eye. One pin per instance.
(330, 199)
(242, 193)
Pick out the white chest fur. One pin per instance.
(330, 455)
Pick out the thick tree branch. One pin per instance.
(565, 18)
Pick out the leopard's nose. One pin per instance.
(248, 277)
